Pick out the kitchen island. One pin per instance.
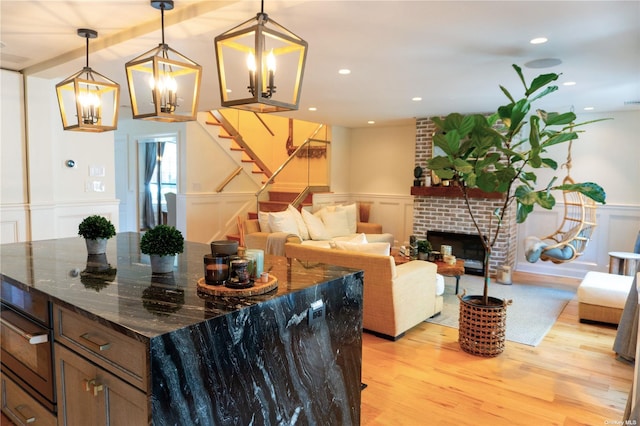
(153, 347)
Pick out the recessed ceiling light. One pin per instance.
(538, 40)
(416, 99)
(569, 83)
(344, 71)
(589, 108)
(371, 122)
(313, 109)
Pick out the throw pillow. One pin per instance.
(336, 223)
(263, 221)
(303, 232)
(371, 248)
(352, 216)
(315, 226)
(283, 222)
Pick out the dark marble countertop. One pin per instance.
(127, 295)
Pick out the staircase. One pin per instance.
(237, 144)
(279, 200)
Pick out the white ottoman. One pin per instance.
(601, 297)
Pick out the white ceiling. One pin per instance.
(453, 54)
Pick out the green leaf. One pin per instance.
(589, 189)
(548, 162)
(560, 138)
(541, 81)
(519, 72)
(546, 91)
(462, 166)
(522, 211)
(534, 132)
(508, 95)
(529, 176)
(467, 125)
(439, 162)
(555, 119)
(518, 113)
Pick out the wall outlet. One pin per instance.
(316, 312)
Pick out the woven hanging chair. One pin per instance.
(570, 240)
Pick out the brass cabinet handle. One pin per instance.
(95, 345)
(93, 385)
(33, 339)
(26, 418)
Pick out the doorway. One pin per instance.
(157, 177)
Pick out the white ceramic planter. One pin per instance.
(162, 264)
(97, 246)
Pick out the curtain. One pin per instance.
(150, 156)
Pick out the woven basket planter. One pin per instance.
(482, 327)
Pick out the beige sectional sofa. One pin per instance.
(332, 223)
(396, 298)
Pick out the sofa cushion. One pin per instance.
(352, 216)
(372, 248)
(336, 223)
(303, 232)
(283, 222)
(316, 228)
(263, 220)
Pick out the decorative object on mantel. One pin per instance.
(481, 152)
(424, 249)
(96, 230)
(164, 85)
(417, 175)
(162, 244)
(260, 49)
(88, 101)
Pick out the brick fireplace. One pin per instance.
(443, 211)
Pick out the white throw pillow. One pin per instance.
(302, 227)
(359, 239)
(315, 226)
(263, 221)
(352, 216)
(283, 222)
(372, 248)
(336, 223)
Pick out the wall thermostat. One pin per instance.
(71, 163)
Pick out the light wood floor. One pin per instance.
(571, 378)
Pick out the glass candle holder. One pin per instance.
(257, 256)
(239, 271)
(216, 269)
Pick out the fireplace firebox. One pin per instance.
(463, 246)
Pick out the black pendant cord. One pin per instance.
(262, 7)
(87, 38)
(162, 20)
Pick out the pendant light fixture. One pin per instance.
(88, 101)
(267, 56)
(163, 84)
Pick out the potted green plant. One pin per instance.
(499, 153)
(162, 243)
(424, 248)
(96, 230)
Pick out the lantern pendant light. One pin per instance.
(270, 56)
(88, 101)
(163, 84)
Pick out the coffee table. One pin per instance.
(455, 271)
(444, 269)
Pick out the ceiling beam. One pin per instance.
(175, 17)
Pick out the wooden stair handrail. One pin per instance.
(229, 178)
(233, 133)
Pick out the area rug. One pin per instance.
(529, 318)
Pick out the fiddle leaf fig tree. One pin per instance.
(500, 153)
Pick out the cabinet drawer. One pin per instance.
(124, 356)
(21, 408)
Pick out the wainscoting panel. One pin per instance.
(617, 230)
(14, 223)
(213, 216)
(68, 216)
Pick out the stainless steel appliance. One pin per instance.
(27, 341)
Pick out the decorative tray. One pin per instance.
(221, 290)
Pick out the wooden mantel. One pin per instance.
(452, 191)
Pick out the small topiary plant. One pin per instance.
(163, 240)
(96, 227)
